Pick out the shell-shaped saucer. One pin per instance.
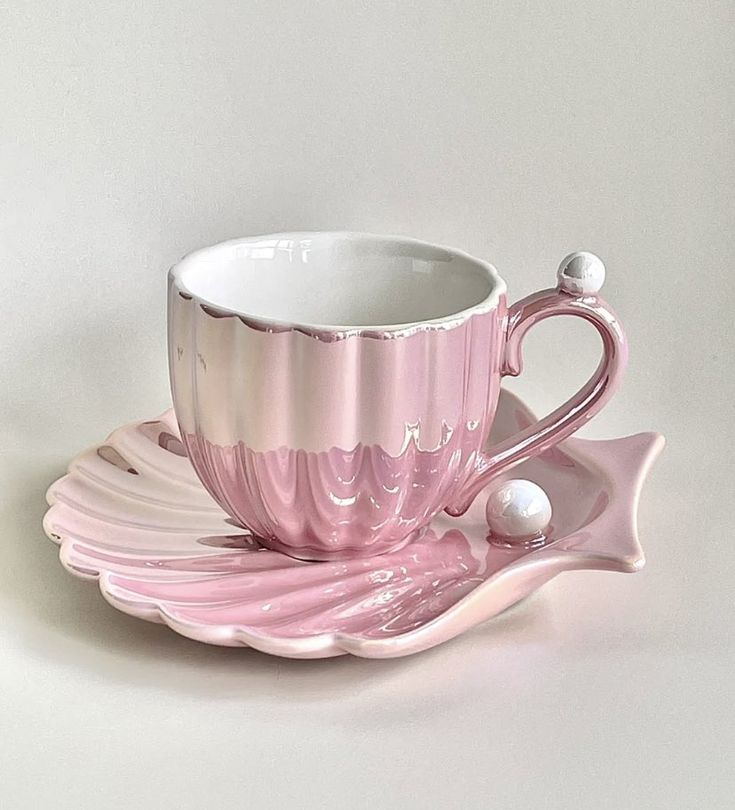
(132, 514)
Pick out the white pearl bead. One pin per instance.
(581, 273)
(517, 509)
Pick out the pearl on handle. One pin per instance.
(581, 273)
(518, 513)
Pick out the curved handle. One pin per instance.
(580, 276)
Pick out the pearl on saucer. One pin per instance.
(517, 511)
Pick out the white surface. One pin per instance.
(345, 279)
(581, 273)
(132, 133)
(517, 509)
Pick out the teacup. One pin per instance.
(334, 391)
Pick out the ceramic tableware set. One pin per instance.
(341, 471)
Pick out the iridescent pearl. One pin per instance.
(581, 273)
(517, 509)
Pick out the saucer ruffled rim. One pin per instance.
(608, 543)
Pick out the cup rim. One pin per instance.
(498, 290)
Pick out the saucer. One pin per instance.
(132, 515)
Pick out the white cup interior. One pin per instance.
(336, 279)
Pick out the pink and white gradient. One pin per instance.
(332, 449)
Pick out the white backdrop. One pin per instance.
(133, 132)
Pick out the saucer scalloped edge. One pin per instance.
(132, 515)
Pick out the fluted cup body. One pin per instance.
(333, 391)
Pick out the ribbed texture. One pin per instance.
(233, 383)
(336, 503)
(138, 520)
(327, 448)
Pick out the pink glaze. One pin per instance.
(136, 518)
(339, 442)
(332, 502)
(567, 418)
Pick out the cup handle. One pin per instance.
(580, 278)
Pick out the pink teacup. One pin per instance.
(335, 390)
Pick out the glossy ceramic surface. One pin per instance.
(517, 510)
(345, 440)
(132, 514)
